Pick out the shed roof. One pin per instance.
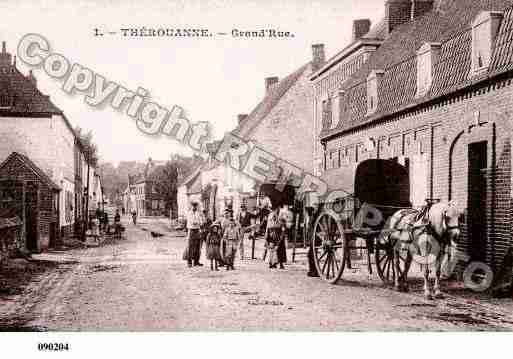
(16, 159)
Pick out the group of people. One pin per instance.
(225, 237)
(99, 223)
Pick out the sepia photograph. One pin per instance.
(263, 167)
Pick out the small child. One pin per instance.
(273, 240)
(231, 239)
(214, 245)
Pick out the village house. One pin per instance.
(436, 96)
(215, 186)
(140, 194)
(281, 124)
(31, 125)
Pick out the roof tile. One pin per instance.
(448, 24)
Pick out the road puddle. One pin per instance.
(240, 292)
(416, 305)
(103, 268)
(258, 301)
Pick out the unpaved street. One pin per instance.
(142, 283)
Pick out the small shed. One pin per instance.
(34, 198)
(10, 236)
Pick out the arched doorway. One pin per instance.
(382, 182)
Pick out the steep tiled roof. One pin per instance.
(267, 104)
(22, 94)
(15, 156)
(448, 24)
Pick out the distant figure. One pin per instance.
(265, 206)
(95, 229)
(225, 221)
(134, 217)
(117, 223)
(98, 213)
(123, 211)
(106, 222)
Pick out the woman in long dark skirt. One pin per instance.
(275, 238)
(282, 249)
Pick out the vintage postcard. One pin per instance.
(256, 166)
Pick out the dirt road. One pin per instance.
(142, 284)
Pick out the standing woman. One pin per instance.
(231, 239)
(275, 239)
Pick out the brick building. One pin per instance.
(328, 78)
(38, 207)
(140, 194)
(436, 96)
(282, 123)
(32, 125)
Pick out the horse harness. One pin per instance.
(422, 222)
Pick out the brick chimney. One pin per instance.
(398, 12)
(420, 7)
(318, 56)
(5, 57)
(241, 117)
(32, 78)
(360, 28)
(270, 82)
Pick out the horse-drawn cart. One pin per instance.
(378, 225)
(341, 238)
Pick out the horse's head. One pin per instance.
(444, 218)
(451, 215)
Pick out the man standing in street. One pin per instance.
(194, 223)
(117, 224)
(244, 220)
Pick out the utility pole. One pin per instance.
(86, 226)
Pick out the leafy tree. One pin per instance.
(165, 184)
(90, 148)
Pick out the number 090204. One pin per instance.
(56, 347)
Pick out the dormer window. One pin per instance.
(484, 31)
(372, 90)
(327, 114)
(427, 56)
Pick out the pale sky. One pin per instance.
(214, 79)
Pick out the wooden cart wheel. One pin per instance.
(329, 247)
(385, 266)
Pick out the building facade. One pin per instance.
(328, 79)
(282, 123)
(30, 124)
(436, 97)
(140, 194)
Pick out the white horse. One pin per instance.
(417, 229)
